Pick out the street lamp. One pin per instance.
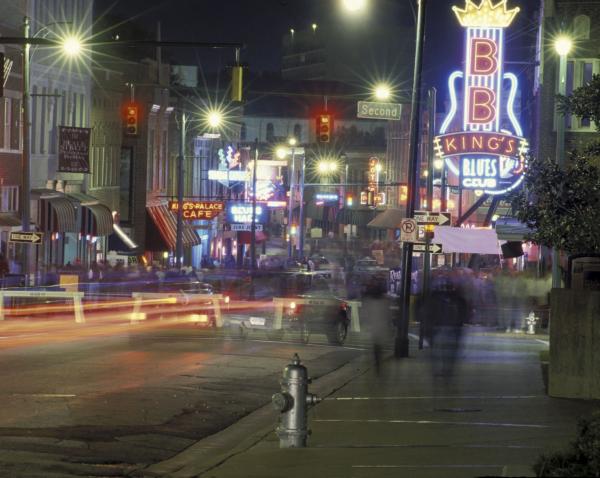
(382, 92)
(563, 45)
(282, 152)
(72, 47)
(354, 6)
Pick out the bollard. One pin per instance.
(292, 402)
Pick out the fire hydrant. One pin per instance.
(293, 402)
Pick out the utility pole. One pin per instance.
(26, 158)
(301, 214)
(401, 339)
(253, 225)
(291, 203)
(428, 234)
(180, 174)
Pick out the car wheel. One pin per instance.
(338, 332)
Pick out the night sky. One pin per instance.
(261, 24)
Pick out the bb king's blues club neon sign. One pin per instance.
(488, 153)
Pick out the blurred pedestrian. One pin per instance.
(375, 308)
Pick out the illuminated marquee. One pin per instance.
(193, 210)
(489, 152)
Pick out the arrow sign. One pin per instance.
(436, 218)
(434, 248)
(26, 237)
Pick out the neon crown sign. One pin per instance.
(488, 153)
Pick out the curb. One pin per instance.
(214, 450)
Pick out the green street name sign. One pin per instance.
(375, 110)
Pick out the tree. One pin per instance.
(561, 206)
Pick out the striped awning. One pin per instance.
(96, 218)
(388, 219)
(59, 215)
(358, 217)
(166, 222)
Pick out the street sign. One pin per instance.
(245, 227)
(376, 110)
(434, 248)
(435, 218)
(408, 230)
(26, 237)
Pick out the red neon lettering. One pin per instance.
(482, 101)
(484, 60)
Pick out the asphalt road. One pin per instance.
(102, 400)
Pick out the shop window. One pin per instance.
(581, 26)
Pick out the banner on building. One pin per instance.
(73, 150)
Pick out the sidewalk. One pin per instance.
(491, 418)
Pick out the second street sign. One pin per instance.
(376, 110)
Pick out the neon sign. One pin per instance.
(193, 210)
(486, 154)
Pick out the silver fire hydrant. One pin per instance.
(293, 402)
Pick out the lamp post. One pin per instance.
(401, 339)
(282, 152)
(562, 45)
(71, 47)
(180, 174)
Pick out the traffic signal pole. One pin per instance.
(401, 339)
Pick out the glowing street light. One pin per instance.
(214, 118)
(563, 45)
(327, 166)
(382, 92)
(281, 152)
(354, 6)
(292, 141)
(72, 46)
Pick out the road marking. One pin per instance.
(45, 395)
(396, 445)
(413, 336)
(428, 466)
(451, 397)
(21, 336)
(436, 422)
(545, 342)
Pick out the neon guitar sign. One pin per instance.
(488, 153)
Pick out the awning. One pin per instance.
(358, 217)
(466, 240)
(58, 215)
(96, 218)
(388, 219)
(166, 222)
(510, 229)
(9, 219)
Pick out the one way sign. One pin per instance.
(424, 218)
(434, 248)
(26, 237)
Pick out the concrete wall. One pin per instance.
(574, 344)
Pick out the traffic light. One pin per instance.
(324, 128)
(131, 120)
(236, 83)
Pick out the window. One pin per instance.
(581, 25)
(270, 132)
(9, 198)
(243, 132)
(579, 73)
(15, 123)
(298, 132)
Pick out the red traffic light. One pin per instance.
(131, 120)
(324, 128)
